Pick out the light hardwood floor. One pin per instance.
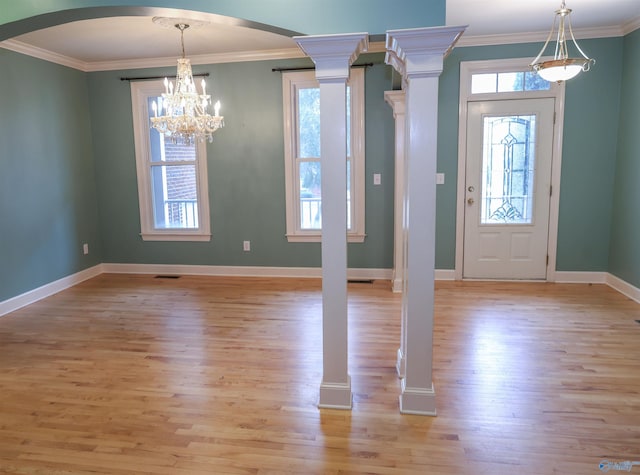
(129, 374)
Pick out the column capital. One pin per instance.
(421, 51)
(333, 55)
(397, 101)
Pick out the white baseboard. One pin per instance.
(607, 278)
(623, 287)
(241, 271)
(568, 277)
(46, 290)
(445, 274)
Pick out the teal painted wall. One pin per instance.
(588, 161)
(48, 206)
(625, 235)
(311, 17)
(246, 172)
(82, 165)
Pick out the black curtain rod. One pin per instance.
(282, 70)
(148, 78)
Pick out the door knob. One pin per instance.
(470, 201)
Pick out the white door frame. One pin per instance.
(467, 68)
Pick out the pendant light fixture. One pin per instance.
(561, 67)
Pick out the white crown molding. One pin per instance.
(231, 57)
(40, 53)
(95, 66)
(631, 25)
(290, 53)
(541, 36)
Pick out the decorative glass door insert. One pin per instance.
(508, 165)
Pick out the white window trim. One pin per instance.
(140, 92)
(290, 82)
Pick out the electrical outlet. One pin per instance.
(246, 245)
(85, 248)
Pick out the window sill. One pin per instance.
(173, 236)
(318, 238)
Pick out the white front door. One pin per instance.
(507, 189)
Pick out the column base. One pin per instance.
(401, 364)
(419, 401)
(336, 395)
(396, 285)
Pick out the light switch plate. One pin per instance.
(439, 178)
(377, 178)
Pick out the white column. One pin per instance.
(333, 56)
(396, 99)
(418, 54)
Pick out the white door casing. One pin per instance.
(557, 91)
(507, 188)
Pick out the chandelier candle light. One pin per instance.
(182, 113)
(561, 67)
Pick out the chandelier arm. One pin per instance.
(546, 43)
(560, 41)
(576, 44)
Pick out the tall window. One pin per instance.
(303, 169)
(172, 178)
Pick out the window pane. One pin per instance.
(163, 150)
(508, 82)
(482, 83)
(175, 203)
(349, 200)
(308, 123)
(310, 196)
(533, 82)
(508, 164)
(348, 121)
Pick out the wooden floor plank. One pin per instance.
(127, 374)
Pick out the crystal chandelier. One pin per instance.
(561, 67)
(181, 113)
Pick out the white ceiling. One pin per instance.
(135, 42)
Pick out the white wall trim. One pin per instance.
(231, 57)
(217, 58)
(445, 274)
(572, 277)
(540, 36)
(240, 271)
(47, 290)
(623, 287)
(631, 26)
(32, 296)
(288, 53)
(46, 55)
